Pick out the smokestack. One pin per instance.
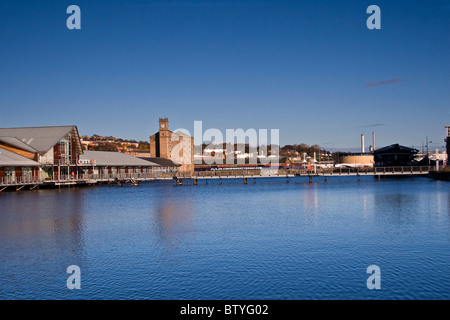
(362, 143)
(373, 140)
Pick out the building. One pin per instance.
(15, 167)
(447, 140)
(55, 153)
(165, 165)
(362, 159)
(104, 164)
(56, 148)
(395, 155)
(175, 146)
(358, 159)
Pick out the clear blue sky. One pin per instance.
(309, 68)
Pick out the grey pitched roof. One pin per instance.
(161, 161)
(12, 141)
(38, 138)
(108, 158)
(11, 159)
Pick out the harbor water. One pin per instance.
(267, 239)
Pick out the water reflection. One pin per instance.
(311, 199)
(42, 233)
(396, 208)
(364, 205)
(68, 223)
(58, 213)
(227, 241)
(174, 215)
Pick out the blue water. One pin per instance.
(264, 240)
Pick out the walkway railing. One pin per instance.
(14, 181)
(264, 172)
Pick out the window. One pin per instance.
(65, 150)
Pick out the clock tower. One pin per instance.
(175, 146)
(163, 124)
(165, 145)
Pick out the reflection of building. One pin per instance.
(395, 155)
(175, 146)
(447, 140)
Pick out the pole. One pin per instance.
(437, 159)
(314, 162)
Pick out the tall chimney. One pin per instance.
(362, 143)
(373, 140)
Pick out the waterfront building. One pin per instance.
(358, 159)
(361, 159)
(56, 153)
(165, 165)
(15, 167)
(55, 148)
(395, 155)
(109, 163)
(175, 146)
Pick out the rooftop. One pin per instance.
(109, 158)
(41, 139)
(11, 159)
(161, 161)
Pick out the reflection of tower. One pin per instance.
(174, 217)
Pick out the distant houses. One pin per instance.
(100, 143)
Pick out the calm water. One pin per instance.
(268, 240)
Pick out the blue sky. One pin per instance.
(309, 68)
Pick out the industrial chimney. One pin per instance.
(362, 143)
(373, 140)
